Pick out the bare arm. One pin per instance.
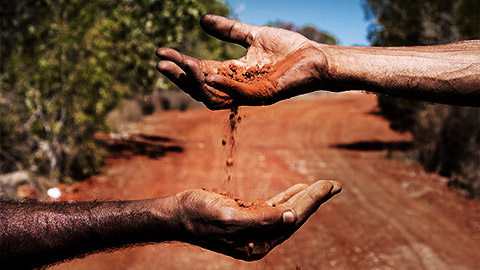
(296, 65)
(34, 234)
(447, 73)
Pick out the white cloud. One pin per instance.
(237, 12)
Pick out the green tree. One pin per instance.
(65, 64)
(446, 138)
(309, 31)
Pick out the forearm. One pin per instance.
(445, 73)
(37, 234)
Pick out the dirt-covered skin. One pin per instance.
(248, 231)
(256, 204)
(390, 214)
(278, 64)
(245, 75)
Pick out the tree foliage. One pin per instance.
(309, 31)
(425, 22)
(65, 64)
(446, 138)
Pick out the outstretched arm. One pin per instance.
(280, 64)
(447, 73)
(34, 234)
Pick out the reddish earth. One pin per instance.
(390, 214)
(242, 74)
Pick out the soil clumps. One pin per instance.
(256, 204)
(242, 74)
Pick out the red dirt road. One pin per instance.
(390, 214)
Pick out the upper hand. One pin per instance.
(297, 66)
(219, 223)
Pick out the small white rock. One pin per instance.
(54, 193)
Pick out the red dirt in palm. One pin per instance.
(245, 75)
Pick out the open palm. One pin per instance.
(219, 223)
(296, 64)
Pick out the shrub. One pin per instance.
(66, 64)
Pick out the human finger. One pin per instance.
(169, 54)
(216, 100)
(286, 195)
(180, 78)
(259, 93)
(306, 202)
(194, 70)
(185, 62)
(188, 64)
(228, 29)
(171, 70)
(227, 85)
(193, 67)
(212, 98)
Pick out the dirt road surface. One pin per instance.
(390, 215)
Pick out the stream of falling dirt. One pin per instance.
(228, 143)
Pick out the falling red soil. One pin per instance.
(391, 214)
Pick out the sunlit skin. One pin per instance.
(35, 234)
(447, 73)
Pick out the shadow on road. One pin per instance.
(375, 146)
(140, 144)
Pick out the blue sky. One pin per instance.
(344, 19)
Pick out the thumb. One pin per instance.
(288, 217)
(228, 29)
(306, 202)
(259, 93)
(272, 217)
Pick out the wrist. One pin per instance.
(332, 77)
(346, 67)
(165, 222)
(143, 221)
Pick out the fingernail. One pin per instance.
(337, 187)
(288, 217)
